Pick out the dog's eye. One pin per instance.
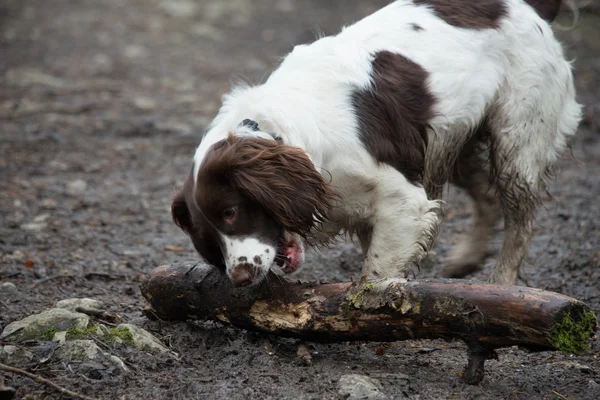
(230, 214)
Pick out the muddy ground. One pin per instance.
(101, 106)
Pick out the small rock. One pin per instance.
(60, 337)
(40, 326)
(15, 356)
(79, 350)
(93, 370)
(132, 253)
(72, 304)
(88, 350)
(144, 103)
(8, 288)
(32, 76)
(48, 204)
(103, 63)
(118, 362)
(102, 330)
(144, 340)
(37, 224)
(304, 356)
(76, 187)
(355, 387)
(133, 51)
(179, 8)
(286, 6)
(207, 31)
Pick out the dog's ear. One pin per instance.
(283, 180)
(181, 213)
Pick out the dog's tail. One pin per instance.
(549, 9)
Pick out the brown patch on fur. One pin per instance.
(191, 221)
(180, 212)
(393, 114)
(472, 14)
(279, 178)
(546, 9)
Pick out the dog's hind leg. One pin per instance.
(470, 173)
(525, 142)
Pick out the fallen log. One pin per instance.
(484, 316)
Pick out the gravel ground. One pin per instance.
(102, 104)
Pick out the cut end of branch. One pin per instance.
(572, 333)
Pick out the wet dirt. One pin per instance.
(102, 104)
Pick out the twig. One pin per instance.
(560, 395)
(102, 275)
(101, 314)
(85, 378)
(51, 278)
(45, 381)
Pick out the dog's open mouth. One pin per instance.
(290, 253)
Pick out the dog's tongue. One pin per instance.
(292, 253)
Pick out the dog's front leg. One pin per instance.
(405, 225)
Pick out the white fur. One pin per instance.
(514, 74)
(249, 247)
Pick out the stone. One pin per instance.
(134, 51)
(79, 350)
(144, 340)
(355, 387)
(88, 350)
(32, 76)
(8, 288)
(72, 304)
(44, 325)
(60, 337)
(37, 224)
(144, 103)
(76, 187)
(118, 362)
(179, 8)
(15, 356)
(102, 330)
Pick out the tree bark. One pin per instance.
(485, 316)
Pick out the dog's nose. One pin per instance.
(242, 275)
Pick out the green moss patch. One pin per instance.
(111, 336)
(354, 301)
(572, 334)
(49, 333)
(78, 334)
(122, 334)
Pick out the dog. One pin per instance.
(359, 132)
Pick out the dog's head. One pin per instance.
(252, 202)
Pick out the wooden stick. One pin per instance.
(484, 316)
(44, 381)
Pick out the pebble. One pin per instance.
(37, 326)
(76, 187)
(179, 8)
(355, 387)
(9, 288)
(15, 356)
(72, 304)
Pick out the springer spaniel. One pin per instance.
(359, 132)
